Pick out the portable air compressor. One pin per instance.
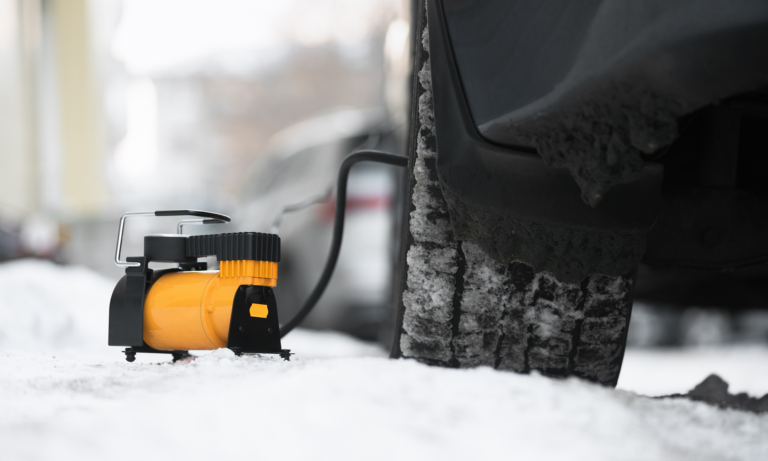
(192, 308)
(187, 308)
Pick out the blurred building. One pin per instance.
(116, 105)
(51, 128)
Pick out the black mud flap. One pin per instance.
(516, 207)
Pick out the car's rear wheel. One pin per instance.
(461, 308)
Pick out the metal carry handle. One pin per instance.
(208, 218)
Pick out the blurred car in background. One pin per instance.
(10, 246)
(300, 166)
(37, 235)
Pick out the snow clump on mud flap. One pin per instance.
(463, 309)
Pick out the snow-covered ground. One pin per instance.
(65, 395)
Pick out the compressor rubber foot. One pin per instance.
(285, 354)
(130, 354)
(182, 355)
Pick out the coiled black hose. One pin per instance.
(338, 226)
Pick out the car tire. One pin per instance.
(460, 308)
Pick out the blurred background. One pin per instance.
(244, 107)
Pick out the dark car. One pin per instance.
(299, 167)
(557, 146)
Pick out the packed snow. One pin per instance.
(65, 395)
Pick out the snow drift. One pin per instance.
(65, 395)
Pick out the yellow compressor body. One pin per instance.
(173, 311)
(192, 310)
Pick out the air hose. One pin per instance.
(338, 226)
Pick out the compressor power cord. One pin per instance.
(338, 226)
